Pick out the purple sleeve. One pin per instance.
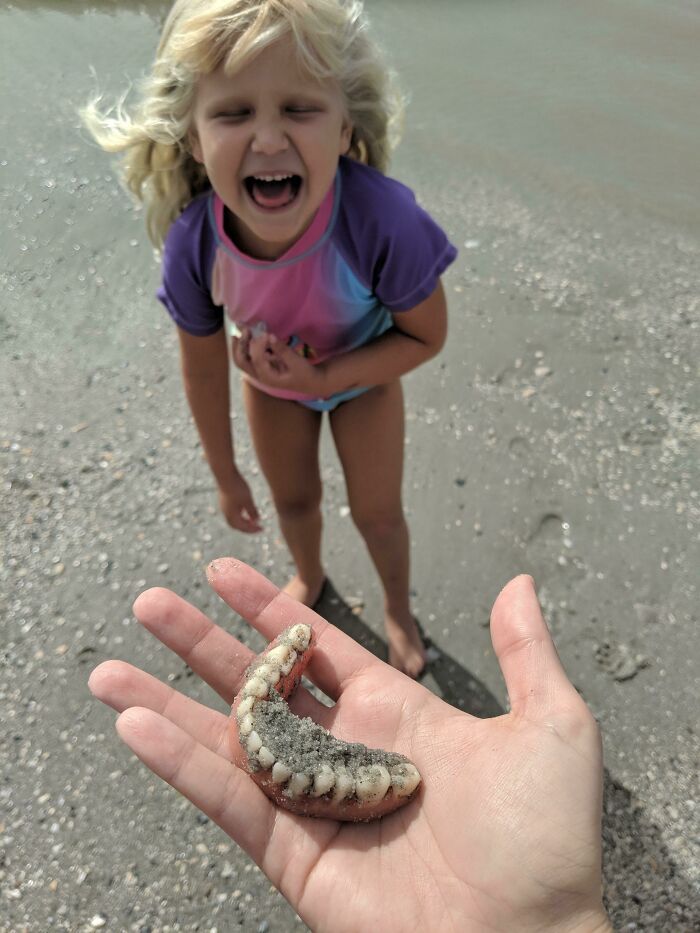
(391, 243)
(188, 258)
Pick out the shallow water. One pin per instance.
(589, 101)
(597, 99)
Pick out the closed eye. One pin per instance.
(302, 110)
(231, 115)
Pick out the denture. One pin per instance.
(299, 764)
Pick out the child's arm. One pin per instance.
(205, 373)
(417, 335)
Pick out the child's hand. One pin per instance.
(277, 365)
(240, 352)
(236, 502)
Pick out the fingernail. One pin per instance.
(220, 565)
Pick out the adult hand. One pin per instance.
(505, 833)
(239, 509)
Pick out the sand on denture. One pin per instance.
(305, 747)
(297, 763)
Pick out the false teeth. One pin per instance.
(300, 765)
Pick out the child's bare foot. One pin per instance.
(406, 649)
(307, 592)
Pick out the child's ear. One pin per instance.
(195, 146)
(346, 136)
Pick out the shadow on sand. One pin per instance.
(643, 888)
(443, 675)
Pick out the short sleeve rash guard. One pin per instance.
(370, 251)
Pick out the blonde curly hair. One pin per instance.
(332, 41)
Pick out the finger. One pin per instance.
(240, 356)
(337, 658)
(258, 351)
(245, 526)
(236, 352)
(217, 657)
(250, 528)
(269, 374)
(534, 676)
(243, 521)
(274, 352)
(246, 337)
(120, 685)
(251, 513)
(222, 791)
(211, 652)
(281, 349)
(239, 517)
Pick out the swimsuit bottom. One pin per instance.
(315, 404)
(332, 402)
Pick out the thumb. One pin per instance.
(534, 675)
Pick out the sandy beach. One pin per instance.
(557, 434)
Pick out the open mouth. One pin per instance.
(272, 191)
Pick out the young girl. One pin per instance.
(259, 147)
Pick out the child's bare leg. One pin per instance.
(369, 436)
(285, 435)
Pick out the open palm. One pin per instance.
(505, 832)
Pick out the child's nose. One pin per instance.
(269, 137)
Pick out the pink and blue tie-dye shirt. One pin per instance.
(369, 252)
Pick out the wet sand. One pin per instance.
(557, 434)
